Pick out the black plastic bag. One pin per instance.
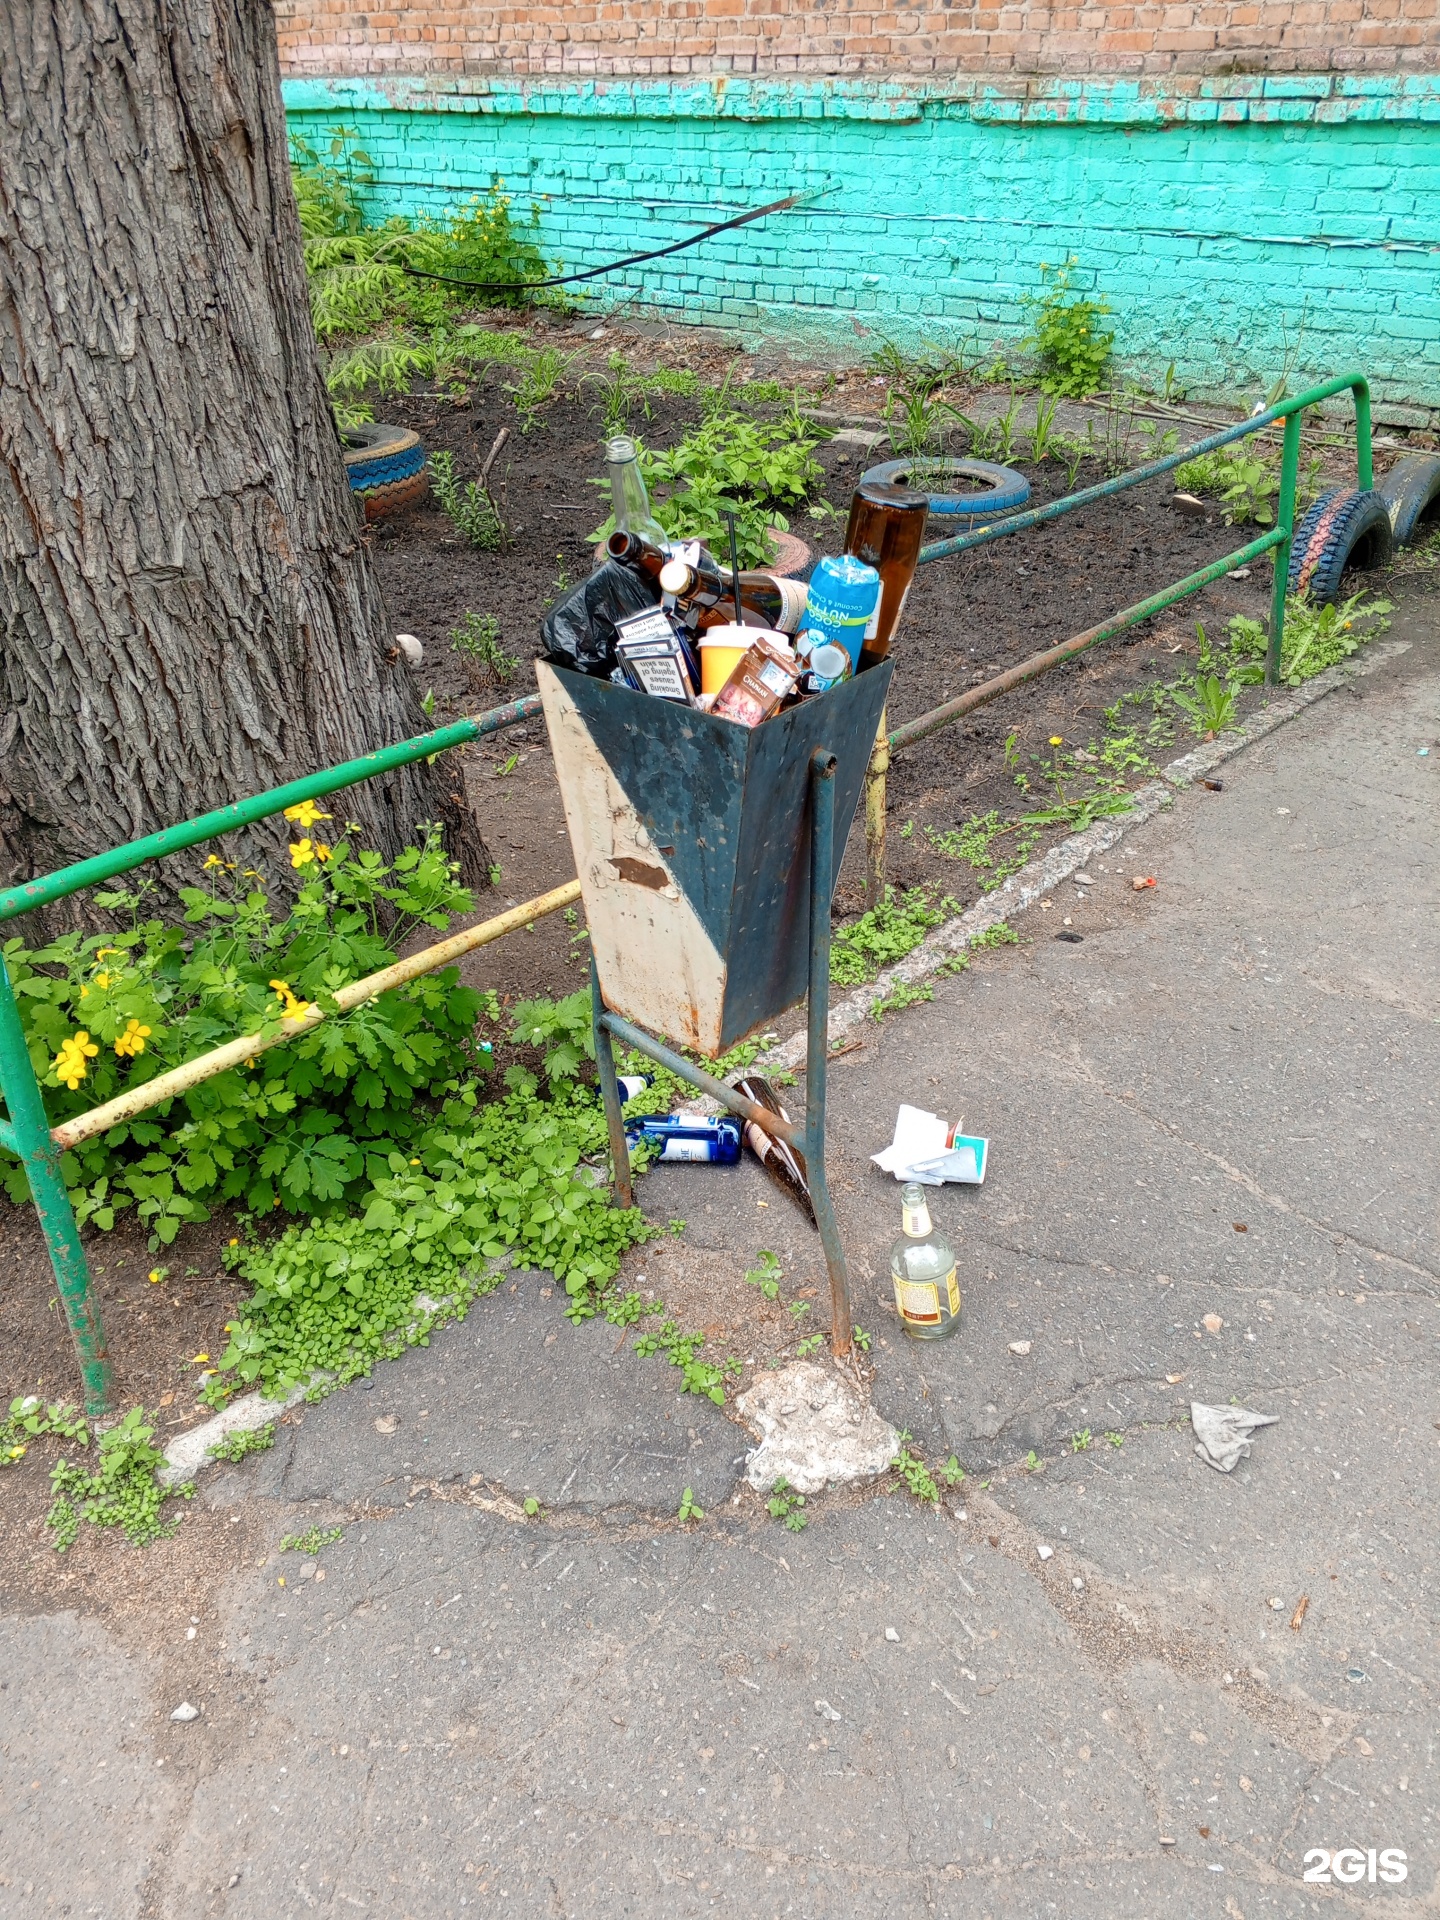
(580, 632)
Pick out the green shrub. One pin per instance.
(468, 507)
(1245, 483)
(328, 192)
(483, 1182)
(885, 934)
(358, 278)
(309, 1122)
(755, 468)
(1073, 351)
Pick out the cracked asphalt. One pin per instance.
(1213, 1177)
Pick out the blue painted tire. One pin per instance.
(1411, 490)
(996, 490)
(1344, 528)
(385, 467)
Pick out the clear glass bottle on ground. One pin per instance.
(629, 500)
(922, 1266)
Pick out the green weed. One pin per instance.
(314, 1121)
(122, 1492)
(470, 507)
(885, 934)
(235, 1446)
(478, 639)
(688, 1510)
(916, 1476)
(312, 1541)
(1073, 351)
(788, 1506)
(901, 995)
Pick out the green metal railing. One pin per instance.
(1277, 540)
(27, 1132)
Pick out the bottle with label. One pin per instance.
(841, 605)
(922, 1265)
(886, 527)
(629, 501)
(706, 598)
(688, 1136)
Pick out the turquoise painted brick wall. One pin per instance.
(1230, 223)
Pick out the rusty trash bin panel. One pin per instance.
(691, 838)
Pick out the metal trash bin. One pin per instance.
(691, 838)
(708, 855)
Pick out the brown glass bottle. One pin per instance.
(886, 527)
(705, 599)
(636, 552)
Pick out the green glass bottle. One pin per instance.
(922, 1265)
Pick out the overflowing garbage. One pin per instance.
(666, 620)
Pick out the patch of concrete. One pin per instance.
(816, 1430)
(189, 1451)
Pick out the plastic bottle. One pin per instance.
(840, 607)
(922, 1266)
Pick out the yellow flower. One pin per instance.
(102, 953)
(306, 814)
(1056, 740)
(234, 1241)
(69, 1063)
(102, 980)
(322, 852)
(301, 853)
(199, 1359)
(132, 1040)
(16, 1453)
(156, 1275)
(290, 1007)
(213, 860)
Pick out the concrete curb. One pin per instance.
(190, 1451)
(1044, 874)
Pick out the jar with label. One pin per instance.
(922, 1266)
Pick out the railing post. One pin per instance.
(1364, 456)
(610, 1094)
(31, 1131)
(817, 1043)
(1284, 517)
(876, 776)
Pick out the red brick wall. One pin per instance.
(581, 37)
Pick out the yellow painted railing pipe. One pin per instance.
(237, 1053)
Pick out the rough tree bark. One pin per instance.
(188, 612)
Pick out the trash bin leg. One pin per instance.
(610, 1093)
(822, 846)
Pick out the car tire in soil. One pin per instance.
(1411, 490)
(385, 467)
(1344, 528)
(995, 489)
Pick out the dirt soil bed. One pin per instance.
(967, 619)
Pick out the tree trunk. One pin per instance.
(188, 609)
